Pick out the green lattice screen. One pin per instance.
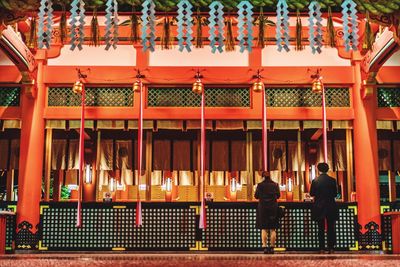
(304, 97)
(9, 96)
(95, 97)
(184, 97)
(388, 97)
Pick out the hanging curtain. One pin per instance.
(58, 154)
(276, 176)
(340, 155)
(320, 153)
(106, 155)
(4, 154)
(217, 178)
(292, 156)
(73, 155)
(396, 154)
(71, 177)
(238, 155)
(277, 155)
(220, 155)
(103, 178)
(181, 155)
(14, 155)
(162, 154)
(257, 155)
(384, 155)
(124, 160)
(186, 178)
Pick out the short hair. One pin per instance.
(265, 174)
(323, 167)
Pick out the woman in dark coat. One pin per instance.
(267, 219)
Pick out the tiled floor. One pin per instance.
(201, 260)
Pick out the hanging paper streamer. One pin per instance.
(148, 24)
(245, 26)
(203, 215)
(111, 36)
(45, 23)
(77, 34)
(140, 156)
(216, 25)
(315, 27)
(185, 32)
(350, 25)
(282, 26)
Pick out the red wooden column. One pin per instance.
(366, 160)
(31, 162)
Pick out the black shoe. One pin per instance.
(266, 250)
(271, 250)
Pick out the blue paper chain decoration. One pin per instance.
(245, 26)
(282, 26)
(77, 34)
(350, 25)
(148, 23)
(111, 36)
(185, 32)
(216, 25)
(45, 23)
(315, 27)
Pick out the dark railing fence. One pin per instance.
(174, 227)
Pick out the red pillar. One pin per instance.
(366, 156)
(31, 162)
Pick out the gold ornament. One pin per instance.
(317, 86)
(258, 86)
(78, 87)
(136, 86)
(198, 87)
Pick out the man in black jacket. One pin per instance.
(324, 191)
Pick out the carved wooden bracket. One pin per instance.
(384, 47)
(22, 57)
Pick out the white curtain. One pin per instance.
(103, 178)
(293, 155)
(384, 155)
(277, 155)
(73, 155)
(106, 155)
(58, 154)
(340, 155)
(276, 176)
(186, 178)
(4, 154)
(124, 160)
(217, 178)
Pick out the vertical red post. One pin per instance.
(365, 154)
(31, 161)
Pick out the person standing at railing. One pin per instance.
(325, 210)
(267, 193)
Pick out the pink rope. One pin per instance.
(140, 156)
(81, 159)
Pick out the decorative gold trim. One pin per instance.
(119, 207)
(355, 248)
(118, 249)
(384, 248)
(199, 246)
(354, 208)
(383, 208)
(42, 247)
(13, 207)
(42, 208)
(279, 249)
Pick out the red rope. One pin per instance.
(203, 219)
(264, 132)
(81, 159)
(140, 156)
